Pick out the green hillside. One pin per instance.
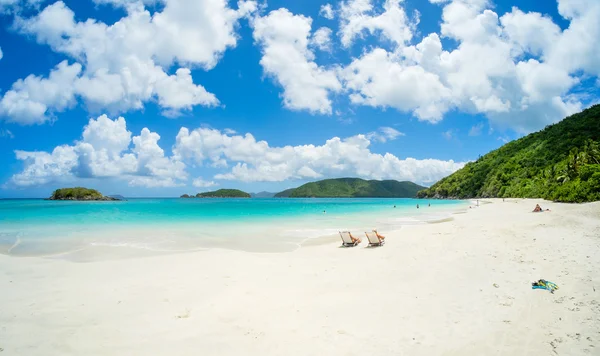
(285, 194)
(560, 163)
(224, 193)
(78, 193)
(353, 188)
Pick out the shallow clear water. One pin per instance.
(41, 227)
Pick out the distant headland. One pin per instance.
(353, 188)
(221, 193)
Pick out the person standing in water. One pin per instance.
(417, 206)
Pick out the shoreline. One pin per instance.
(281, 234)
(461, 287)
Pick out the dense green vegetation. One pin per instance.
(285, 194)
(78, 193)
(221, 193)
(354, 188)
(560, 163)
(224, 193)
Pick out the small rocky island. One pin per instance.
(221, 193)
(79, 193)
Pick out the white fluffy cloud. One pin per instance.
(108, 150)
(357, 16)
(103, 152)
(254, 160)
(201, 183)
(284, 38)
(327, 11)
(517, 69)
(33, 99)
(530, 32)
(125, 64)
(44, 167)
(576, 48)
(520, 69)
(322, 38)
(378, 79)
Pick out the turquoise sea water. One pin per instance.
(40, 227)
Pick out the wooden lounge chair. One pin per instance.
(374, 240)
(347, 240)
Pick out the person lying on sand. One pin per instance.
(538, 209)
(354, 239)
(381, 237)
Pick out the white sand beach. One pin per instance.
(454, 288)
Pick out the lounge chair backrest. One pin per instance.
(346, 237)
(372, 237)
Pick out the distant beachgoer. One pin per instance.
(381, 237)
(538, 209)
(417, 206)
(324, 212)
(394, 206)
(429, 205)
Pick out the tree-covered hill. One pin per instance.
(354, 188)
(221, 193)
(285, 194)
(78, 193)
(560, 163)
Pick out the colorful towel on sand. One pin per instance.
(544, 284)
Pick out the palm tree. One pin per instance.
(591, 152)
(564, 177)
(574, 162)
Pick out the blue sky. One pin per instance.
(407, 90)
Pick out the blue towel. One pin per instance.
(544, 284)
